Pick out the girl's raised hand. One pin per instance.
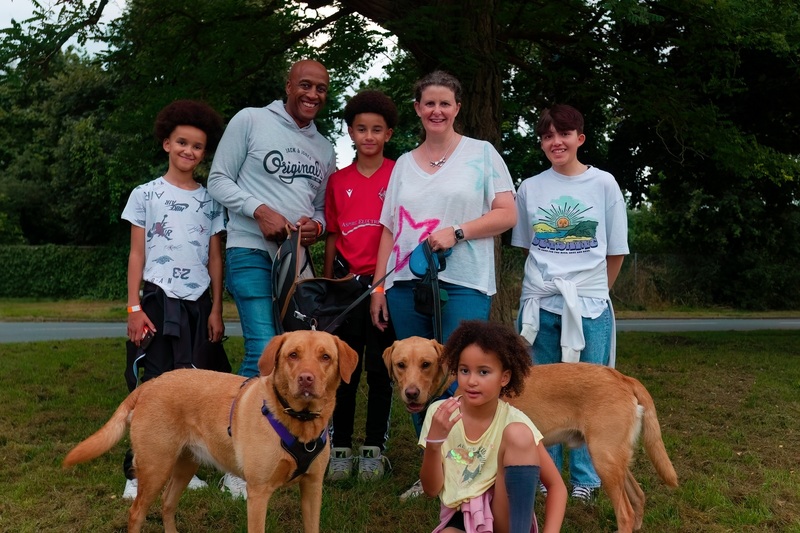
(443, 419)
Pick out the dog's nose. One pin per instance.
(305, 379)
(412, 394)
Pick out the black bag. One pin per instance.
(308, 303)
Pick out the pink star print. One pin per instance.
(401, 259)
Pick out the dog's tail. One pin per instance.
(651, 429)
(105, 437)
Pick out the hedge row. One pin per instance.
(64, 272)
(70, 272)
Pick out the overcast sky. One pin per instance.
(23, 9)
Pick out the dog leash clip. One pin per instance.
(312, 322)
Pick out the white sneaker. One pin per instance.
(131, 489)
(584, 494)
(414, 491)
(371, 463)
(197, 483)
(236, 486)
(542, 489)
(341, 464)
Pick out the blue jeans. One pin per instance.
(463, 304)
(248, 277)
(547, 350)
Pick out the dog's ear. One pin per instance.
(266, 363)
(348, 359)
(439, 348)
(387, 359)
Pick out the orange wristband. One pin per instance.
(134, 308)
(319, 227)
(380, 289)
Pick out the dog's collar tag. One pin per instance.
(303, 453)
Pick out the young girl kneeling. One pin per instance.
(483, 457)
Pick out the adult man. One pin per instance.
(270, 170)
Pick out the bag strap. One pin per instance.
(358, 300)
(297, 246)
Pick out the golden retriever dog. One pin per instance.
(571, 403)
(187, 417)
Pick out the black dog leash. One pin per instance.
(361, 297)
(433, 273)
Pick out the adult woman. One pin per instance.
(457, 193)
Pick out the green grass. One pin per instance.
(729, 406)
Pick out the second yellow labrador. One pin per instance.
(187, 417)
(571, 403)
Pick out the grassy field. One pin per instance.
(729, 405)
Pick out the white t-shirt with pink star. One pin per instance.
(463, 189)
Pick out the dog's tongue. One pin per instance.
(414, 407)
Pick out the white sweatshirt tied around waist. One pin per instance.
(587, 284)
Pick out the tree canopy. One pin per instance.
(690, 104)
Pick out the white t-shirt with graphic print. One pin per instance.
(570, 224)
(178, 226)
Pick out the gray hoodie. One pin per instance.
(264, 157)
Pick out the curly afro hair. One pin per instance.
(371, 102)
(190, 113)
(496, 338)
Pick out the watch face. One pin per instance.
(459, 234)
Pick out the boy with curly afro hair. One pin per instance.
(483, 458)
(175, 261)
(190, 113)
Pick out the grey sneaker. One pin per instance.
(413, 492)
(236, 486)
(341, 464)
(197, 483)
(371, 463)
(584, 494)
(131, 489)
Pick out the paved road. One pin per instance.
(48, 331)
(707, 324)
(43, 331)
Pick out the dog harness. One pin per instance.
(303, 453)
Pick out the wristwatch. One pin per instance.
(459, 233)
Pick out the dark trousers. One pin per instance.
(369, 342)
(181, 341)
